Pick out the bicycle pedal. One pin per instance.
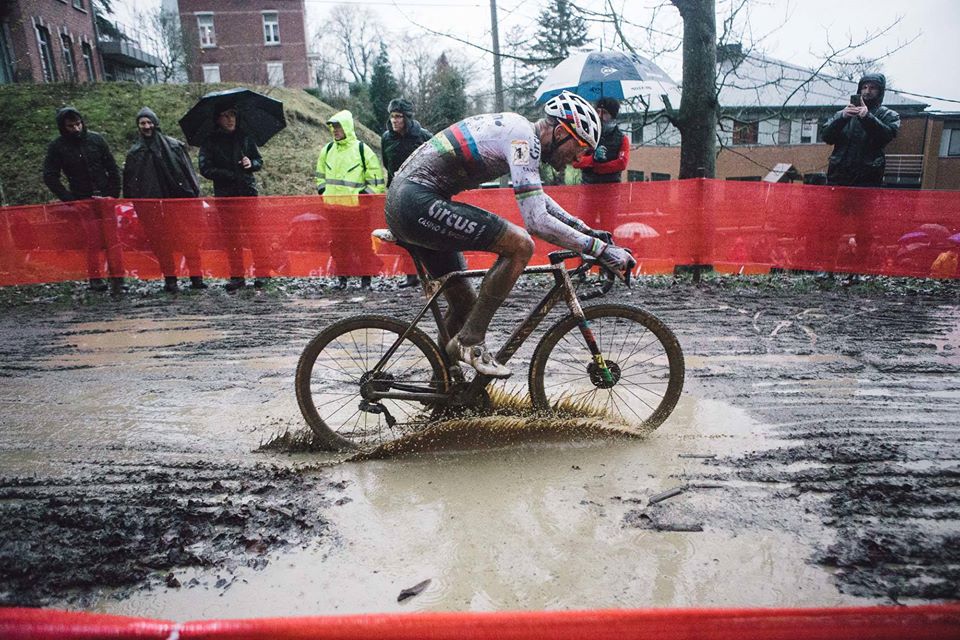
(456, 372)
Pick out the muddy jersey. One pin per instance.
(483, 148)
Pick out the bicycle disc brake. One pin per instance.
(598, 379)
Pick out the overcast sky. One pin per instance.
(797, 31)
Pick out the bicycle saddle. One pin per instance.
(384, 234)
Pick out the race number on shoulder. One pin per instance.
(520, 152)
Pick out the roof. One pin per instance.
(758, 81)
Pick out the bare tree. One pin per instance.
(414, 66)
(162, 29)
(356, 36)
(328, 70)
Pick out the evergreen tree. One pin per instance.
(446, 96)
(561, 31)
(383, 89)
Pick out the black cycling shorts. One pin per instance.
(436, 229)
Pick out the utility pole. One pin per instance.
(497, 78)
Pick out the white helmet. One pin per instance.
(578, 114)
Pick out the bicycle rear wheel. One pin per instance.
(335, 364)
(641, 352)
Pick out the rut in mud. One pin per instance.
(131, 431)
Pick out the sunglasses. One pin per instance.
(573, 134)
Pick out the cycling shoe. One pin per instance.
(477, 357)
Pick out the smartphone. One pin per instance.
(856, 100)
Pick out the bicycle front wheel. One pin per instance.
(340, 359)
(642, 354)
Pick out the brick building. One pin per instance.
(48, 41)
(57, 41)
(246, 41)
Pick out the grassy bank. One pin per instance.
(27, 114)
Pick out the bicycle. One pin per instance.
(370, 379)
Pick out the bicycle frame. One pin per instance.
(562, 288)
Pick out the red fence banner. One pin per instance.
(927, 622)
(737, 227)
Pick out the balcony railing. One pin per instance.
(903, 169)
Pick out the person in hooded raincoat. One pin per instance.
(158, 166)
(84, 158)
(858, 134)
(401, 138)
(347, 168)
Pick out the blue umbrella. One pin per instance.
(260, 116)
(607, 74)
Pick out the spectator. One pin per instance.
(345, 169)
(402, 137)
(607, 162)
(229, 158)
(85, 159)
(158, 166)
(604, 166)
(858, 133)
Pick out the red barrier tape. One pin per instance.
(737, 227)
(932, 622)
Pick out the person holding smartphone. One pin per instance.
(859, 132)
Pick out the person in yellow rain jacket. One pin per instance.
(347, 167)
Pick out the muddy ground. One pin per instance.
(104, 490)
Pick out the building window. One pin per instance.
(46, 55)
(950, 141)
(634, 176)
(783, 134)
(87, 52)
(211, 73)
(69, 63)
(275, 74)
(6, 55)
(808, 131)
(745, 132)
(271, 27)
(78, 4)
(205, 27)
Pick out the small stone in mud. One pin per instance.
(669, 493)
(415, 590)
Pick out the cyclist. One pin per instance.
(421, 214)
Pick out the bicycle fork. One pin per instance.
(601, 375)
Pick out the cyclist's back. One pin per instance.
(474, 151)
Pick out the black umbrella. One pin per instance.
(261, 117)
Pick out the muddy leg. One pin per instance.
(515, 248)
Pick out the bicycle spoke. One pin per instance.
(629, 406)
